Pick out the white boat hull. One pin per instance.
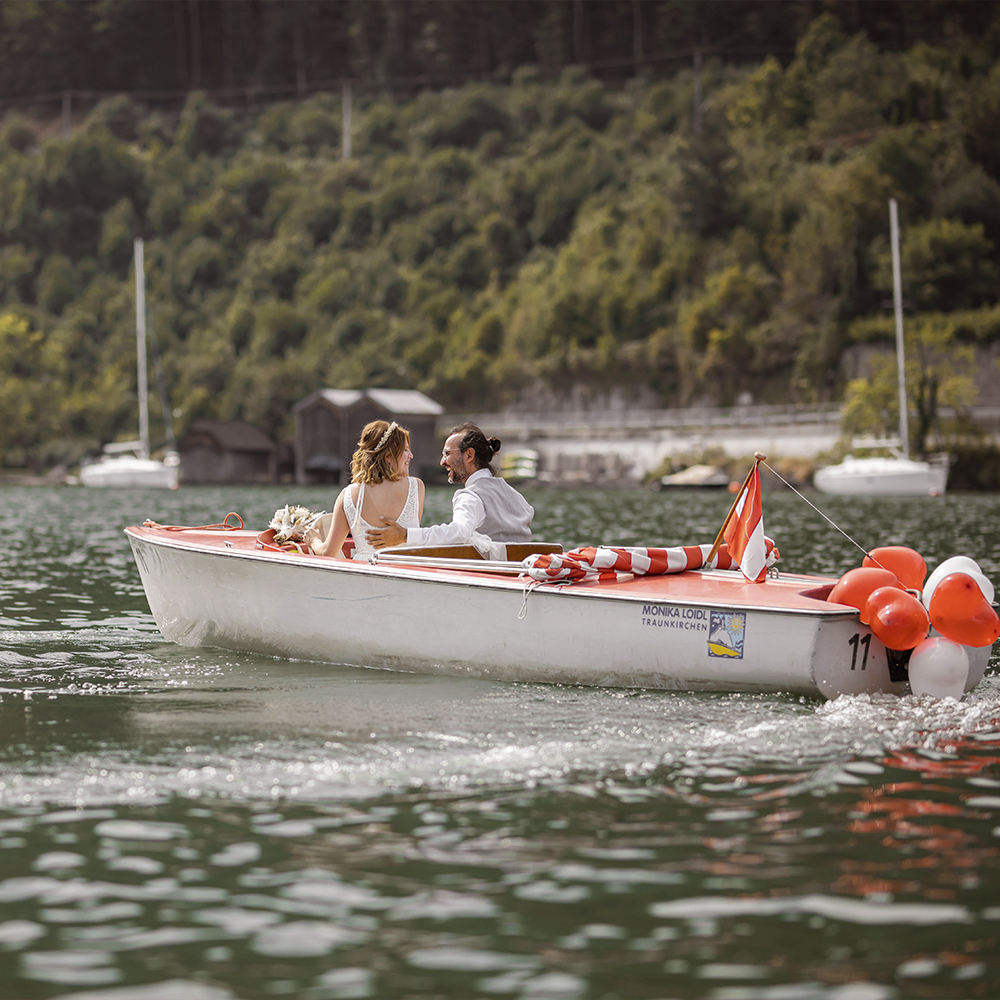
(878, 477)
(129, 472)
(654, 633)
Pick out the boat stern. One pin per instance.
(849, 659)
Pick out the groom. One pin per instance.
(487, 505)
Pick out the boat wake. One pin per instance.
(924, 722)
(270, 734)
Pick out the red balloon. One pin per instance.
(855, 585)
(897, 618)
(960, 612)
(907, 564)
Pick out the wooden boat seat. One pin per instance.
(516, 551)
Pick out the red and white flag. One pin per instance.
(745, 532)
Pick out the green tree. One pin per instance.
(946, 265)
(939, 373)
(27, 398)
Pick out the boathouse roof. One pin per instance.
(228, 435)
(401, 401)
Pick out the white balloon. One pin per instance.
(939, 667)
(958, 564)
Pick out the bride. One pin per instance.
(381, 486)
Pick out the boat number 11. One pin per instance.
(859, 640)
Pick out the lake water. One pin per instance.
(201, 824)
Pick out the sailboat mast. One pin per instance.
(140, 337)
(897, 297)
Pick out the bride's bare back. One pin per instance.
(384, 499)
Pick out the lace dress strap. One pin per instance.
(409, 516)
(362, 550)
(360, 504)
(352, 510)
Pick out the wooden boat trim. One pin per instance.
(516, 551)
(479, 565)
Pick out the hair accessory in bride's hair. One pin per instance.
(385, 437)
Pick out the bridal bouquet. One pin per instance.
(290, 523)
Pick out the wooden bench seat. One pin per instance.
(516, 551)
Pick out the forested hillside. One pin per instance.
(507, 243)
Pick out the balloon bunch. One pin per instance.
(956, 602)
(881, 589)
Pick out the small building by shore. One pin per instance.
(329, 422)
(227, 451)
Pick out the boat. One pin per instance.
(889, 476)
(448, 611)
(519, 465)
(127, 463)
(117, 468)
(696, 477)
(898, 474)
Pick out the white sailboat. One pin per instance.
(898, 475)
(127, 463)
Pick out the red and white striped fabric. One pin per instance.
(745, 532)
(620, 564)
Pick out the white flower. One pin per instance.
(290, 523)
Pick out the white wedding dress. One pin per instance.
(409, 517)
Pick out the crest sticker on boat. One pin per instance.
(726, 630)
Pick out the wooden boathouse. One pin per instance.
(328, 424)
(227, 451)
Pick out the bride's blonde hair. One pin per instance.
(378, 451)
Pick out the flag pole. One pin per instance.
(759, 457)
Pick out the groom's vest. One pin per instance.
(508, 514)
